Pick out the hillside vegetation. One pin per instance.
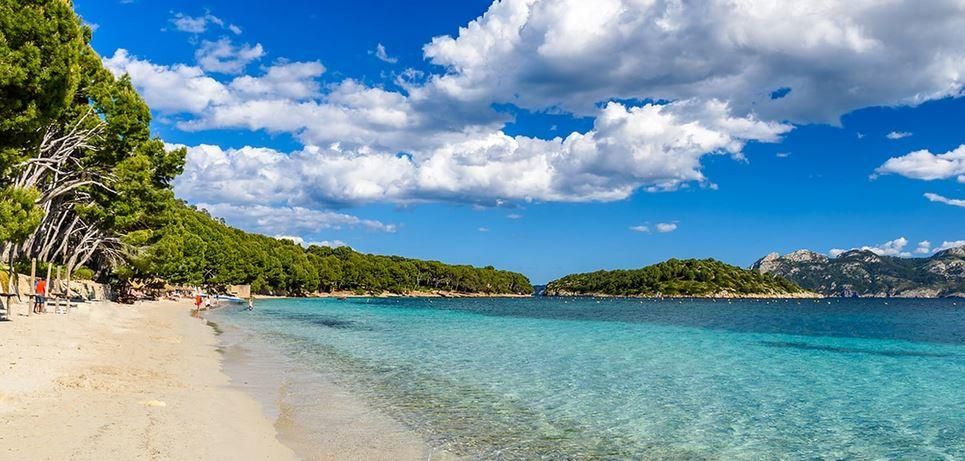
(675, 277)
(194, 248)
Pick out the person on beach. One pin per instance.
(197, 301)
(40, 295)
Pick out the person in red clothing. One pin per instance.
(197, 301)
(40, 295)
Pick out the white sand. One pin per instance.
(146, 382)
(110, 382)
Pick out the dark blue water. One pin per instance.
(549, 378)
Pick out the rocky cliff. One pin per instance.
(864, 273)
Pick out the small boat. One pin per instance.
(232, 299)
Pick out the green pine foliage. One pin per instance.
(18, 214)
(41, 44)
(674, 277)
(194, 248)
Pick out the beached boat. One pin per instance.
(231, 299)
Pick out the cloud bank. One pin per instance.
(666, 83)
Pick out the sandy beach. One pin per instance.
(124, 382)
(147, 381)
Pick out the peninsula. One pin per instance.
(691, 278)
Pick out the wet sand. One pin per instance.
(151, 382)
(316, 417)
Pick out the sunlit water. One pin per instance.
(548, 378)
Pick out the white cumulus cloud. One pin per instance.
(382, 55)
(897, 135)
(282, 220)
(946, 245)
(942, 199)
(890, 248)
(658, 147)
(725, 74)
(199, 24)
(924, 247)
(172, 89)
(827, 57)
(662, 227)
(195, 24)
(290, 80)
(922, 164)
(225, 57)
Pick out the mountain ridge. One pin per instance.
(864, 273)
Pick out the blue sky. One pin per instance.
(549, 140)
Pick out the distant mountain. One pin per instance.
(675, 277)
(864, 273)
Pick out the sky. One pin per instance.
(560, 136)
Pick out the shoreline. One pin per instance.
(411, 294)
(804, 295)
(316, 417)
(157, 380)
(114, 381)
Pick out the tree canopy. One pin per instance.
(674, 277)
(79, 169)
(194, 248)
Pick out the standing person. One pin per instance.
(197, 301)
(251, 303)
(40, 295)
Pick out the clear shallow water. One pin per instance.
(547, 378)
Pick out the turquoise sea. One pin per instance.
(551, 378)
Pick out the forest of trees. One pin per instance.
(84, 186)
(674, 277)
(194, 248)
(80, 173)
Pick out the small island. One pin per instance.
(687, 278)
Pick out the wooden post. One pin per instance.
(33, 284)
(7, 290)
(50, 286)
(57, 306)
(13, 279)
(10, 276)
(68, 286)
